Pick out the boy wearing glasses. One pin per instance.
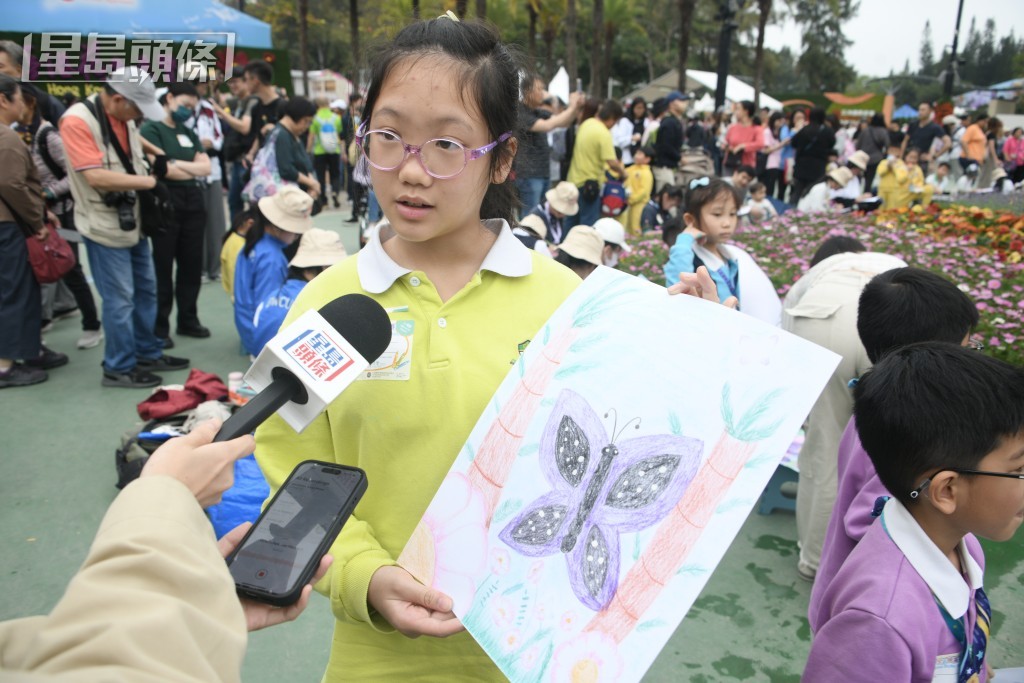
(898, 307)
(944, 427)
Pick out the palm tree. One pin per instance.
(304, 44)
(686, 8)
(353, 27)
(570, 40)
(481, 9)
(596, 77)
(764, 8)
(618, 15)
(461, 6)
(533, 9)
(550, 21)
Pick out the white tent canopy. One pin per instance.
(705, 104)
(735, 89)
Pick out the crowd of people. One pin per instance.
(929, 441)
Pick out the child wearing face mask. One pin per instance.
(711, 218)
(614, 236)
(178, 250)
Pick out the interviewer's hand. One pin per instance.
(206, 468)
(701, 285)
(261, 615)
(412, 608)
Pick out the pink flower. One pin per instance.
(500, 561)
(994, 284)
(592, 657)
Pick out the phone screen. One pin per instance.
(285, 539)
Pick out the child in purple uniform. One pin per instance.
(896, 308)
(944, 427)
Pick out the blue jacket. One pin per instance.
(271, 311)
(682, 259)
(257, 276)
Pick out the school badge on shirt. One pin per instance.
(396, 361)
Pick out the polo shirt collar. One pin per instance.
(943, 579)
(508, 257)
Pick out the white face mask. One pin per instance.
(612, 261)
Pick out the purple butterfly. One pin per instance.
(599, 491)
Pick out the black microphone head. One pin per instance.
(361, 321)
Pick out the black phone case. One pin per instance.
(289, 598)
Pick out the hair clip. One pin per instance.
(450, 15)
(700, 182)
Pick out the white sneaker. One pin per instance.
(90, 339)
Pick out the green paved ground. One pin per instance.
(57, 443)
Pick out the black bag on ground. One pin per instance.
(131, 457)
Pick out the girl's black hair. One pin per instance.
(8, 87)
(296, 273)
(576, 265)
(258, 229)
(490, 71)
(671, 229)
(748, 107)
(774, 118)
(238, 221)
(701, 194)
(839, 244)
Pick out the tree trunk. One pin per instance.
(241, 6)
(685, 23)
(596, 77)
(609, 39)
(304, 45)
(570, 42)
(481, 9)
(461, 6)
(353, 27)
(531, 38)
(416, 9)
(549, 53)
(765, 8)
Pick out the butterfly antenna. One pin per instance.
(626, 426)
(615, 421)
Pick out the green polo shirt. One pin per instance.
(179, 143)
(405, 433)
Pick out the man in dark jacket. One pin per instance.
(668, 146)
(813, 144)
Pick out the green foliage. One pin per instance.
(822, 62)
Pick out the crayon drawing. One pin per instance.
(610, 473)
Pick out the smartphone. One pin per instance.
(579, 85)
(283, 549)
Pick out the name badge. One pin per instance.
(396, 361)
(184, 140)
(947, 668)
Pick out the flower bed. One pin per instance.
(964, 244)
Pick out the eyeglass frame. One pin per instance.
(1009, 475)
(468, 154)
(975, 343)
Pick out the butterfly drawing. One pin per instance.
(601, 488)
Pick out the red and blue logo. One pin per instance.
(319, 355)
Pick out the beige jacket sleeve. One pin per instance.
(154, 601)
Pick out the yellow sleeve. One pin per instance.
(902, 173)
(644, 187)
(883, 168)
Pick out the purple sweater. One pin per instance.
(879, 617)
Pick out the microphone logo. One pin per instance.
(322, 358)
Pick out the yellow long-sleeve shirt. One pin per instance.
(894, 183)
(405, 434)
(640, 183)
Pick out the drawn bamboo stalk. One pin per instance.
(497, 453)
(681, 529)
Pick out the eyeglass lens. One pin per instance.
(441, 158)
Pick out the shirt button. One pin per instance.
(414, 281)
(442, 323)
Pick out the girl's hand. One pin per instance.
(701, 285)
(412, 608)
(697, 235)
(260, 615)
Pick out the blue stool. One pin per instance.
(773, 497)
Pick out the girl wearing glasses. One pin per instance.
(439, 138)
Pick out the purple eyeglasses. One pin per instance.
(441, 158)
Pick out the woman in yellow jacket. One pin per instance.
(893, 178)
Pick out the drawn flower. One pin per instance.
(568, 621)
(588, 658)
(540, 613)
(449, 547)
(536, 569)
(502, 611)
(510, 640)
(529, 659)
(500, 561)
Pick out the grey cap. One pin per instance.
(137, 85)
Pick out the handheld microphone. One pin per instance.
(310, 362)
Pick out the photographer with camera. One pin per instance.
(108, 168)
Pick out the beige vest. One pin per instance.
(93, 218)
